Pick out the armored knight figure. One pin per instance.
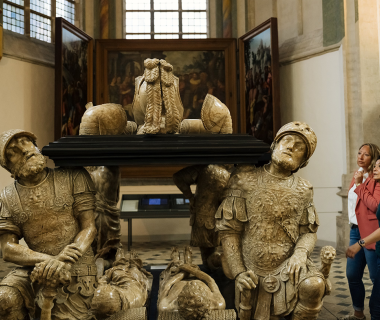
(267, 224)
(53, 210)
(211, 180)
(106, 119)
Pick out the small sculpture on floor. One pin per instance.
(211, 180)
(188, 290)
(328, 254)
(267, 224)
(53, 210)
(124, 286)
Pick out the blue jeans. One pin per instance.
(374, 302)
(355, 270)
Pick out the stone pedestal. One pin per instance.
(342, 224)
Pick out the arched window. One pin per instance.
(166, 19)
(34, 17)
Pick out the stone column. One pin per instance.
(362, 96)
(227, 19)
(104, 19)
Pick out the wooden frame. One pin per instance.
(104, 47)
(275, 88)
(61, 25)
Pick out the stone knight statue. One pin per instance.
(211, 180)
(53, 210)
(267, 225)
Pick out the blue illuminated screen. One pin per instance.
(154, 202)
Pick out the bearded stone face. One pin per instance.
(289, 153)
(24, 158)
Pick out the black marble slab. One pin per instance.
(157, 149)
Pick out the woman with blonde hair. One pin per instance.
(363, 200)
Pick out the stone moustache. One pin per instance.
(53, 210)
(267, 224)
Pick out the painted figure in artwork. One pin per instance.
(210, 181)
(267, 224)
(53, 210)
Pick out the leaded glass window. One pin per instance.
(34, 17)
(166, 19)
(66, 10)
(13, 18)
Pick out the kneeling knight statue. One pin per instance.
(267, 225)
(53, 210)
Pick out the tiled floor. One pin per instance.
(336, 305)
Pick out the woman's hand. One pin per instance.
(353, 250)
(358, 177)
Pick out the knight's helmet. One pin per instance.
(104, 119)
(304, 131)
(6, 137)
(215, 116)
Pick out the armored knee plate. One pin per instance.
(11, 304)
(303, 313)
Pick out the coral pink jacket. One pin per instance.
(368, 201)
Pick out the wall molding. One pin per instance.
(23, 48)
(304, 47)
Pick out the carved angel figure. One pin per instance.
(188, 290)
(267, 224)
(53, 210)
(125, 286)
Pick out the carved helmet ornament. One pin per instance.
(105, 119)
(157, 106)
(215, 116)
(6, 137)
(304, 131)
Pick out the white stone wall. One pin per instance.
(26, 102)
(312, 91)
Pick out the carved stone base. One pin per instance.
(215, 315)
(131, 314)
(342, 225)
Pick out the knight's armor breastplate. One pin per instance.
(46, 217)
(274, 209)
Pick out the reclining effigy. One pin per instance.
(123, 287)
(188, 292)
